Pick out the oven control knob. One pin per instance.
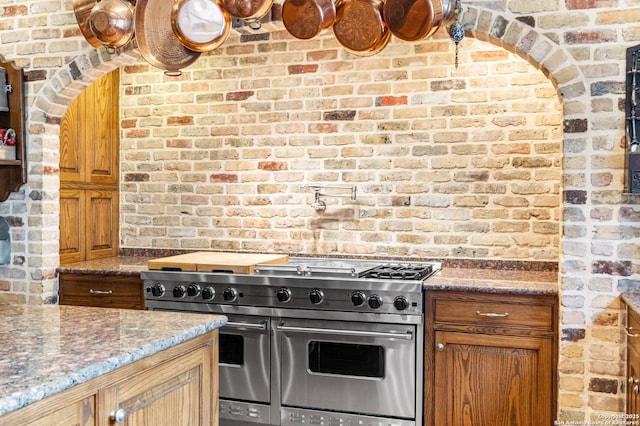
(401, 303)
(193, 290)
(316, 296)
(375, 301)
(283, 294)
(358, 298)
(208, 293)
(230, 294)
(157, 290)
(179, 292)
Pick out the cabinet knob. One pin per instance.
(118, 416)
(636, 389)
(631, 380)
(440, 347)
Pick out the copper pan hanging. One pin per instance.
(112, 22)
(157, 42)
(82, 10)
(200, 25)
(412, 20)
(247, 9)
(359, 26)
(305, 19)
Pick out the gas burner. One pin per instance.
(400, 271)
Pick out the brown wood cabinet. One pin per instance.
(107, 291)
(633, 363)
(178, 386)
(89, 167)
(490, 359)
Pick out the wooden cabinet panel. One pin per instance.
(99, 117)
(88, 224)
(111, 291)
(89, 134)
(485, 380)
(102, 230)
(71, 226)
(178, 386)
(77, 413)
(167, 394)
(490, 359)
(70, 146)
(89, 167)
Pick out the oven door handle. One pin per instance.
(247, 325)
(352, 333)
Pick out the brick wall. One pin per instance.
(452, 163)
(579, 45)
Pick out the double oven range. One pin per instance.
(316, 341)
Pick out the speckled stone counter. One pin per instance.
(121, 265)
(491, 277)
(494, 281)
(632, 299)
(47, 349)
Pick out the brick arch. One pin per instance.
(526, 41)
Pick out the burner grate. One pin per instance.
(400, 272)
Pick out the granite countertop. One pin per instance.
(501, 277)
(494, 281)
(46, 349)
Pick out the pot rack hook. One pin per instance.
(456, 31)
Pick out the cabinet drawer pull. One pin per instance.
(627, 331)
(491, 314)
(101, 292)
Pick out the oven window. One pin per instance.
(346, 359)
(231, 349)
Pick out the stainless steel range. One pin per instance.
(313, 341)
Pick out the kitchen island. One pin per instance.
(93, 364)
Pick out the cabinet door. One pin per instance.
(491, 380)
(88, 224)
(89, 134)
(101, 235)
(78, 413)
(72, 225)
(99, 118)
(179, 392)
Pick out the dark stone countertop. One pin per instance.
(469, 276)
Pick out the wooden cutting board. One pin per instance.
(205, 261)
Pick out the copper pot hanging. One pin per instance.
(359, 26)
(305, 19)
(200, 25)
(247, 9)
(412, 20)
(112, 22)
(157, 42)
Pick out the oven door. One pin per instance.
(353, 367)
(245, 352)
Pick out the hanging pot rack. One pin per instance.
(419, 18)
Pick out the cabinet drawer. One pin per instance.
(633, 328)
(114, 291)
(483, 311)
